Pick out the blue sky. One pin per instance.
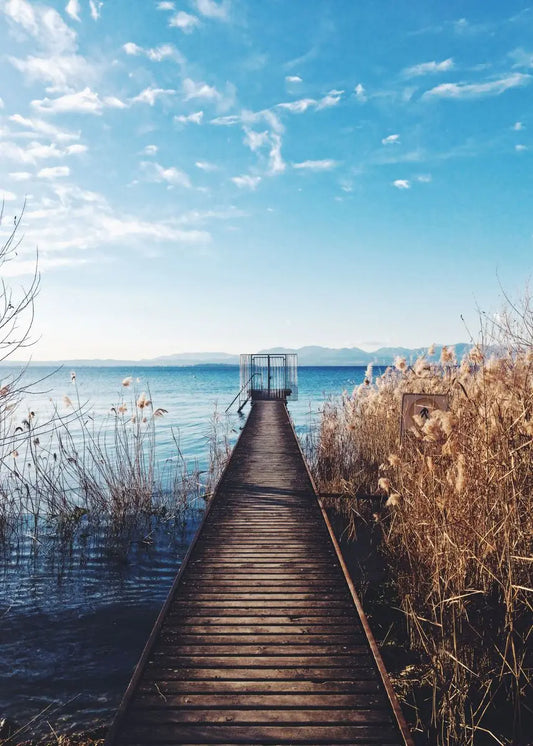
(234, 175)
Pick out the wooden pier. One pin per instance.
(262, 639)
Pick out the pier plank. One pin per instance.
(261, 640)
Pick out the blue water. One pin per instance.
(73, 623)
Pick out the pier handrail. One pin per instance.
(240, 392)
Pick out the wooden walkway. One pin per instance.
(261, 640)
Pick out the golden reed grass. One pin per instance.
(457, 520)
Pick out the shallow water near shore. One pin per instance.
(75, 614)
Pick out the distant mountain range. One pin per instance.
(311, 355)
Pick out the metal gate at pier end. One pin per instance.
(267, 376)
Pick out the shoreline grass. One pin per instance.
(457, 529)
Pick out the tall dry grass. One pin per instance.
(457, 521)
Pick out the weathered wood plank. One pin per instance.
(260, 641)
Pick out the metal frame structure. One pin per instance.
(271, 376)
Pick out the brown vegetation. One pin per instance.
(456, 516)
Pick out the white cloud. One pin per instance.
(184, 21)
(150, 95)
(54, 172)
(149, 150)
(76, 149)
(83, 102)
(57, 62)
(131, 48)
(518, 126)
(20, 175)
(360, 93)
(428, 68)
(293, 79)
(61, 72)
(255, 140)
(165, 5)
(390, 140)
(6, 196)
(206, 166)
(520, 148)
(331, 99)
(194, 90)
(477, 90)
(73, 220)
(171, 175)
(246, 181)
(1, 103)
(402, 184)
(212, 9)
(34, 152)
(43, 23)
(40, 127)
(424, 178)
(195, 118)
(156, 54)
(276, 163)
(298, 107)
(323, 165)
(96, 8)
(73, 9)
(522, 58)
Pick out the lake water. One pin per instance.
(73, 623)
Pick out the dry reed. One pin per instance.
(457, 525)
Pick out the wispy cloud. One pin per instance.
(206, 166)
(323, 165)
(522, 58)
(6, 196)
(212, 9)
(360, 93)
(518, 126)
(156, 54)
(246, 181)
(74, 219)
(171, 175)
(298, 107)
(402, 184)
(42, 23)
(195, 118)
(34, 151)
(20, 175)
(83, 102)
(293, 79)
(32, 127)
(520, 148)
(164, 5)
(55, 172)
(200, 90)
(73, 9)
(303, 104)
(478, 90)
(429, 68)
(150, 95)
(149, 150)
(391, 140)
(60, 72)
(55, 59)
(184, 21)
(330, 99)
(96, 8)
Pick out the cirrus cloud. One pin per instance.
(477, 90)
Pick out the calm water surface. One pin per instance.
(73, 623)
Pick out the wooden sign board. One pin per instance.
(422, 405)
